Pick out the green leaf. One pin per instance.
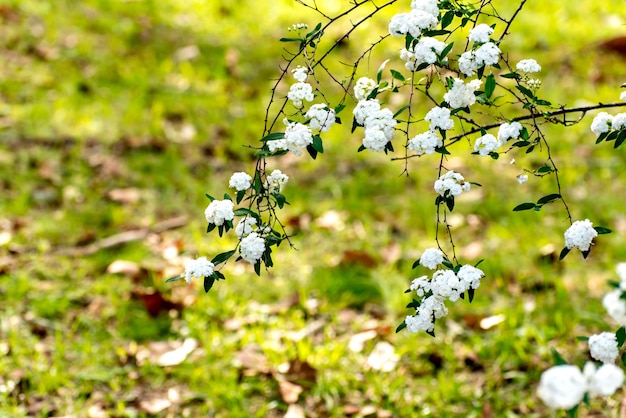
(361, 148)
(208, 283)
(602, 136)
(227, 197)
(470, 294)
(402, 109)
(549, 198)
(526, 92)
(401, 327)
(520, 144)
(432, 33)
(621, 137)
(315, 29)
(339, 108)
(281, 200)
(524, 206)
(379, 74)
(246, 212)
(446, 50)
(173, 279)
(211, 198)
(220, 258)
(450, 202)
(565, 251)
(317, 144)
(290, 39)
(544, 169)
(490, 85)
(417, 263)
(582, 338)
(620, 335)
(218, 275)
(557, 358)
(602, 230)
(397, 75)
(257, 267)
(210, 228)
(573, 412)
(273, 137)
(511, 75)
(543, 103)
(312, 151)
(624, 358)
(447, 19)
(240, 195)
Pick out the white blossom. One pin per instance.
(620, 269)
(605, 380)
(300, 73)
(275, 182)
(562, 387)
(364, 109)
(429, 6)
(425, 143)
(622, 95)
(451, 182)
(619, 121)
(240, 181)
(580, 235)
(615, 306)
(487, 54)
(420, 286)
(364, 86)
(219, 211)
(508, 131)
(425, 51)
(432, 307)
(486, 144)
(480, 34)
(439, 118)
(321, 117)
(528, 66)
(413, 23)
(603, 347)
(522, 178)
(300, 91)
(431, 258)
(375, 139)
(252, 248)
(379, 129)
(244, 227)
(446, 284)
(601, 123)
(297, 137)
(461, 94)
(467, 63)
(470, 277)
(200, 267)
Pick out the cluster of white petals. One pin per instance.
(275, 182)
(245, 226)
(240, 181)
(200, 267)
(439, 118)
(297, 137)
(431, 258)
(522, 178)
(425, 50)
(601, 123)
(379, 124)
(363, 87)
(252, 247)
(486, 144)
(429, 6)
(604, 380)
(509, 131)
(480, 34)
(364, 109)
(300, 73)
(452, 183)
(219, 211)
(486, 54)
(462, 94)
(619, 121)
(413, 23)
(528, 66)
(580, 235)
(603, 347)
(425, 143)
(622, 95)
(615, 306)
(320, 117)
(430, 309)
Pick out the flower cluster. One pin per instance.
(462, 94)
(275, 182)
(240, 181)
(200, 267)
(603, 347)
(300, 91)
(425, 143)
(481, 33)
(614, 301)
(363, 87)
(219, 211)
(431, 258)
(581, 235)
(320, 117)
(252, 247)
(564, 386)
(528, 66)
(297, 137)
(414, 22)
(298, 26)
(379, 123)
(439, 118)
(601, 123)
(425, 51)
(451, 183)
(486, 54)
(509, 131)
(486, 144)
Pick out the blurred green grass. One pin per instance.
(162, 97)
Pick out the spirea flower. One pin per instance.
(605, 380)
(620, 269)
(431, 308)
(615, 306)
(425, 143)
(297, 137)
(364, 86)
(420, 286)
(528, 66)
(321, 117)
(413, 23)
(298, 26)
(453, 183)
(522, 178)
(562, 387)
(534, 83)
(439, 118)
(580, 235)
(425, 51)
(200, 267)
(467, 63)
(509, 131)
(219, 211)
(446, 284)
(252, 248)
(480, 34)
(364, 109)
(379, 129)
(300, 73)
(431, 258)
(429, 6)
(622, 95)
(300, 91)
(244, 227)
(601, 123)
(470, 277)
(603, 347)
(240, 181)
(486, 144)
(487, 54)
(275, 182)
(619, 121)
(375, 139)
(461, 94)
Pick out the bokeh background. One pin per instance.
(116, 117)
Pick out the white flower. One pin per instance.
(446, 284)
(487, 54)
(276, 181)
(508, 131)
(425, 143)
(622, 95)
(480, 34)
(467, 63)
(420, 285)
(439, 118)
(601, 123)
(429, 6)
(486, 144)
(240, 181)
(321, 117)
(580, 235)
(200, 267)
(252, 248)
(297, 137)
(522, 178)
(619, 121)
(425, 51)
(603, 347)
(244, 227)
(219, 211)
(528, 66)
(431, 258)
(432, 307)
(379, 129)
(562, 387)
(461, 94)
(364, 86)
(621, 273)
(375, 139)
(300, 73)
(615, 306)
(300, 91)
(451, 182)
(298, 26)
(364, 109)
(605, 380)
(470, 277)
(413, 23)
(534, 83)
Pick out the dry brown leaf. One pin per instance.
(166, 353)
(154, 405)
(368, 410)
(290, 392)
(252, 359)
(301, 371)
(154, 301)
(392, 253)
(125, 196)
(360, 258)
(294, 411)
(129, 268)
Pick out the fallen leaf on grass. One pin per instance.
(290, 392)
(492, 321)
(154, 301)
(294, 411)
(383, 357)
(125, 196)
(252, 360)
(167, 353)
(155, 405)
(129, 268)
(357, 341)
